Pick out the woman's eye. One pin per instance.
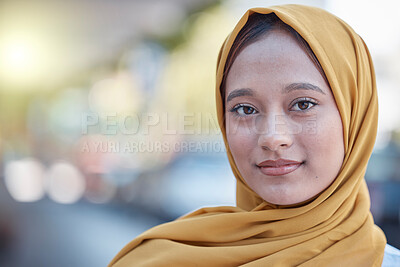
(243, 110)
(303, 105)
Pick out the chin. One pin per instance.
(283, 198)
(282, 201)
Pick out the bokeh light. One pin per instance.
(24, 58)
(24, 179)
(118, 95)
(64, 183)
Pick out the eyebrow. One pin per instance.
(239, 92)
(291, 87)
(302, 86)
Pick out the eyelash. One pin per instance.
(304, 100)
(239, 106)
(296, 102)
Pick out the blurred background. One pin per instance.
(108, 123)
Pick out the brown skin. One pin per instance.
(297, 124)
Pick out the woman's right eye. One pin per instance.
(243, 110)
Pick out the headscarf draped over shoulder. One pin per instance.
(334, 229)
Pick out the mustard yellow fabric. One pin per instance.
(333, 229)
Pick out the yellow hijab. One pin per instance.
(334, 229)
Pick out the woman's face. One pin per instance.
(283, 126)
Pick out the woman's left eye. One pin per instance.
(303, 105)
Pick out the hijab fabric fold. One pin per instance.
(334, 228)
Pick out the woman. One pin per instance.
(297, 106)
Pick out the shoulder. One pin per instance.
(391, 257)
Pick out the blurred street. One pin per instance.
(48, 234)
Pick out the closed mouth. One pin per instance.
(278, 167)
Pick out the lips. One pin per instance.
(278, 167)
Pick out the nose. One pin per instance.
(276, 133)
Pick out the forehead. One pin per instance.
(276, 58)
(276, 46)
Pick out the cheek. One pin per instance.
(241, 141)
(327, 144)
(332, 133)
